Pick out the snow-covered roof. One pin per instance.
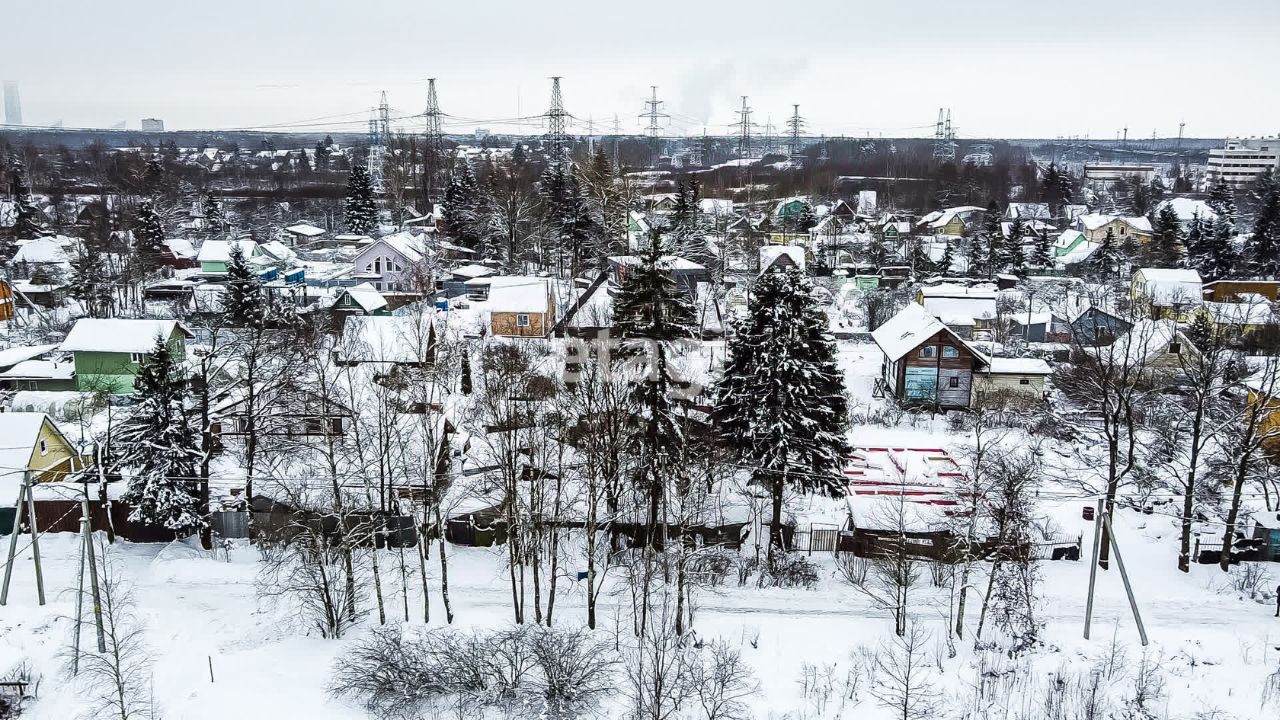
(519, 294)
(769, 255)
(42, 369)
(784, 202)
(903, 332)
(279, 251)
(1095, 221)
(715, 206)
(409, 246)
(14, 355)
(666, 262)
(1255, 312)
(1144, 340)
(42, 250)
(366, 296)
(940, 218)
(119, 335)
(1037, 211)
(1187, 209)
(1018, 366)
(386, 338)
(220, 250)
(1166, 286)
(20, 431)
(181, 248)
(305, 230)
(469, 272)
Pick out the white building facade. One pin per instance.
(1241, 161)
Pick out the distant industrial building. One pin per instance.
(152, 125)
(1111, 172)
(12, 104)
(1239, 162)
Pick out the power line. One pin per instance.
(795, 125)
(557, 140)
(652, 112)
(744, 130)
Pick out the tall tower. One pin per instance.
(944, 147)
(557, 140)
(435, 135)
(795, 127)
(744, 129)
(12, 103)
(379, 131)
(653, 107)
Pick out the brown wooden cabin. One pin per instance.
(925, 361)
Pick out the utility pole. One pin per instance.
(744, 129)
(942, 147)
(795, 125)
(1181, 126)
(1102, 522)
(26, 502)
(557, 140)
(653, 112)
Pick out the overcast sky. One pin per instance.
(1006, 68)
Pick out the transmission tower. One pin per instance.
(653, 107)
(557, 140)
(435, 136)
(795, 126)
(379, 130)
(744, 129)
(944, 147)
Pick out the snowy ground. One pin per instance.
(1213, 647)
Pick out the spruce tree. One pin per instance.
(148, 236)
(361, 209)
(1166, 240)
(1222, 199)
(947, 260)
(1014, 257)
(89, 283)
(993, 238)
(650, 313)
(1221, 259)
(158, 446)
(780, 406)
(1042, 253)
(462, 207)
(243, 302)
(1106, 257)
(26, 223)
(213, 220)
(1262, 250)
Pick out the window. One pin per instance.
(953, 382)
(135, 357)
(1024, 381)
(377, 265)
(928, 351)
(1175, 348)
(522, 320)
(950, 352)
(44, 447)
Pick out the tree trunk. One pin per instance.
(444, 570)
(775, 522)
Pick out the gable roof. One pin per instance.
(20, 431)
(366, 296)
(387, 338)
(905, 331)
(1170, 285)
(14, 355)
(305, 230)
(118, 335)
(220, 250)
(519, 294)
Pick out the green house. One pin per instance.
(791, 207)
(108, 353)
(215, 255)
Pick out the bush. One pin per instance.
(789, 570)
(393, 674)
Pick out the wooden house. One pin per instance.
(925, 362)
(108, 352)
(521, 307)
(1226, 291)
(30, 442)
(1165, 292)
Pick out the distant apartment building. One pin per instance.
(12, 104)
(153, 124)
(1111, 172)
(1242, 160)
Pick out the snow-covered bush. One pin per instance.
(548, 673)
(788, 570)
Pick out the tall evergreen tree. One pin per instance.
(993, 239)
(243, 303)
(148, 236)
(1165, 248)
(462, 206)
(1221, 258)
(1222, 199)
(159, 446)
(687, 233)
(1262, 250)
(89, 283)
(572, 231)
(650, 313)
(214, 222)
(1042, 253)
(1105, 259)
(26, 222)
(1014, 256)
(361, 208)
(780, 406)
